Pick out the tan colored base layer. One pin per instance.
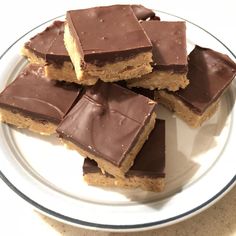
(65, 72)
(160, 80)
(110, 72)
(174, 104)
(21, 121)
(107, 166)
(145, 183)
(124, 70)
(32, 58)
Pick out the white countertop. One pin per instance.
(17, 17)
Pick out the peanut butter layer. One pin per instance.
(110, 124)
(144, 183)
(159, 79)
(184, 112)
(25, 122)
(33, 95)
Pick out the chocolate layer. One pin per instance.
(209, 73)
(49, 44)
(145, 92)
(169, 44)
(107, 121)
(32, 94)
(143, 13)
(150, 162)
(107, 34)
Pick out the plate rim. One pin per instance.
(126, 228)
(123, 228)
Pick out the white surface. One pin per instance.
(16, 214)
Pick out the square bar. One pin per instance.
(148, 171)
(170, 63)
(34, 102)
(107, 42)
(110, 125)
(210, 73)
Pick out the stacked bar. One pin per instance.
(147, 172)
(113, 124)
(93, 80)
(47, 49)
(170, 64)
(107, 43)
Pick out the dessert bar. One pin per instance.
(169, 56)
(210, 73)
(34, 102)
(148, 171)
(108, 43)
(110, 125)
(47, 49)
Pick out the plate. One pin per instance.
(200, 166)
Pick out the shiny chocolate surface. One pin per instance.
(210, 73)
(32, 94)
(169, 44)
(107, 34)
(150, 161)
(107, 121)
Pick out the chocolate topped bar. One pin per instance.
(49, 44)
(169, 44)
(210, 73)
(107, 34)
(143, 13)
(107, 121)
(169, 57)
(32, 94)
(150, 161)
